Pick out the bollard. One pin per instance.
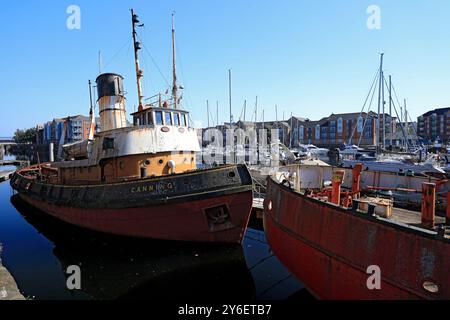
(336, 181)
(356, 178)
(428, 204)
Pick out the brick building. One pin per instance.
(435, 125)
(335, 130)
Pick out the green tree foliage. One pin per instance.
(25, 135)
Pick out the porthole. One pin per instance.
(121, 165)
(147, 162)
(160, 161)
(231, 174)
(269, 205)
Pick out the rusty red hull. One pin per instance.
(185, 221)
(330, 248)
(210, 205)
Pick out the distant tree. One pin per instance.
(25, 135)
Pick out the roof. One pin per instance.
(351, 115)
(300, 119)
(438, 111)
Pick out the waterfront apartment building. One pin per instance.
(335, 130)
(435, 125)
(77, 129)
(332, 131)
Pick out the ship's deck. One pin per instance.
(410, 217)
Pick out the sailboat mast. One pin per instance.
(390, 109)
(384, 115)
(207, 110)
(137, 47)
(406, 125)
(229, 95)
(174, 66)
(379, 102)
(292, 132)
(256, 110)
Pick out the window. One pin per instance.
(176, 119)
(360, 124)
(183, 120)
(144, 119)
(300, 133)
(137, 121)
(168, 119)
(159, 117)
(108, 143)
(317, 132)
(339, 125)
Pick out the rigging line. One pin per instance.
(407, 125)
(128, 42)
(364, 105)
(396, 113)
(414, 128)
(183, 78)
(368, 110)
(154, 62)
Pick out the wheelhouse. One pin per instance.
(152, 116)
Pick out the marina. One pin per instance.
(112, 187)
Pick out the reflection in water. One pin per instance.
(121, 267)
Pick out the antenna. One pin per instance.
(174, 65)
(137, 46)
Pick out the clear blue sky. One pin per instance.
(311, 58)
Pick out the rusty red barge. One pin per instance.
(140, 179)
(330, 240)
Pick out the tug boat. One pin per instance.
(342, 245)
(142, 179)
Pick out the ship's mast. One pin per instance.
(91, 114)
(379, 102)
(137, 46)
(174, 65)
